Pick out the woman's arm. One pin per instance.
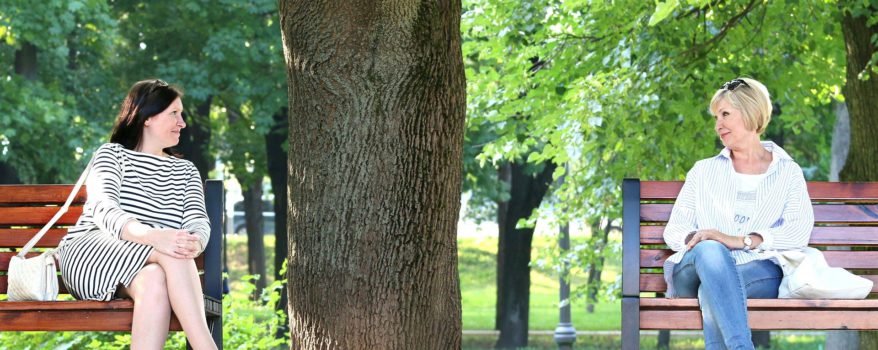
(793, 229)
(682, 221)
(194, 213)
(103, 186)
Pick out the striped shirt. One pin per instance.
(783, 215)
(125, 185)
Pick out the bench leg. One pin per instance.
(630, 323)
(215, 324)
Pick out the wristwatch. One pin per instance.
(747, 243)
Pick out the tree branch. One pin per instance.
(700, 50)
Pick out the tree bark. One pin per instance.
(276, 155)
(195, 139)
(377, 109)
(255, 238)
(514, 250)
(861, 97)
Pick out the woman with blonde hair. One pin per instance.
(734, 207)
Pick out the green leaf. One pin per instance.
(663, 10)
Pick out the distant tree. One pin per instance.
(861, 97)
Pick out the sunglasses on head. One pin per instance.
(733, 84)
(156, 84)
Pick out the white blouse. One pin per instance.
(782, 215)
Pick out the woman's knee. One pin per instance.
(709, 248)
(150, 285)
(711, 253)
(170, 262)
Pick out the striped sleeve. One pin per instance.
(793, 229)
(103, 187)
(194, 213)
(682, 219)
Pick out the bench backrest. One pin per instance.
(24, 209)
(845, 215)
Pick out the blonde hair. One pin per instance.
(751, 98)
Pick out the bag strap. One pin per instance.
(33, 241)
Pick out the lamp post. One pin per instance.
(565, 333)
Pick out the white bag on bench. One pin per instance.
(808, 276)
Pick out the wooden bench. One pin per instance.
(845, 215)
(24, 209)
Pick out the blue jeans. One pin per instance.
(709, 272)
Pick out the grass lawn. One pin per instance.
(478, 278)
(477, 265)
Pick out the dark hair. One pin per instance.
(145, 99)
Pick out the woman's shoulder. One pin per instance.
(707, 163)
(110, 146)
(109, 149)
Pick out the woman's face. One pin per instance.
(164, 128)
(730, 125)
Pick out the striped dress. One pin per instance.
(124, 185)
(783, 215)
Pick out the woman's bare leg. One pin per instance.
(152, 309)
(186, 298)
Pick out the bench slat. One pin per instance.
(654, 282)
(835, 258)
(72, 319)
(765, 304)
(37, 216)
(17, 238)
(768, 319)
(819, 191)
(823, 213)
(820, 236)
(39, 194)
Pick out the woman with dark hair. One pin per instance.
(143, 223)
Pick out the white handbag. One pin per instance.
(808, 276)
(36, 278)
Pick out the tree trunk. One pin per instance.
(514, 250)
(664, 339)
(377, 109)
(26, 63)
(594, 274)
(276, 155)
(8, 174)
(761, 339)
(195, 139)
(841, 140)
(255, 238)
(861, 97)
